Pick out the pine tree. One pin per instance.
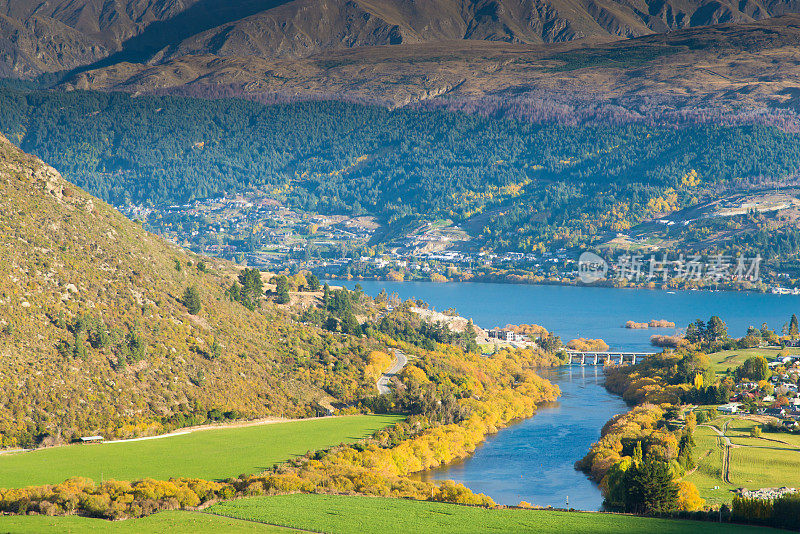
(282, 290)
(251, 283)
(685, 447)
(313, 282)
(649, 487)
(191, 299)
(716, 329)
(793, 328)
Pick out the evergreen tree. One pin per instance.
(685, 448)
(754, 368)
(716, 330)
(313, 282)
(282, 290)
(350, 324)
(468, 337)
(191, 299)
(793, 327)
(251, 283)
(637, 453)
(649, 487)
(696, 332)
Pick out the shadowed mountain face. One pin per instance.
(39, 36)
(747, 65)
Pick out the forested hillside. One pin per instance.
(512, 184)
(105, 328)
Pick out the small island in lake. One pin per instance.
(654, 323)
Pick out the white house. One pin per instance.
(732, 407)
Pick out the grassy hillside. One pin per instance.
(771, 460)
(731, 359)
(94, 337)
(170, 521)
(365, 515)
(337, 514)
(207, 453)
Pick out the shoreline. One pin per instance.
(333, 278)
(437, 474)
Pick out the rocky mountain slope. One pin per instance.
(39, 36)
(95, 336)
(741, 65)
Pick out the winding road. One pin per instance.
(399, 362)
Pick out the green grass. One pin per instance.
(210, 454)
(172, 522)
(769, 461)
(344, 515)
(721, 361)
(708, 454)
(765, 464)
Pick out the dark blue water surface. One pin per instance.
(594, 312)
(533, 460)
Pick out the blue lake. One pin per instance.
(533, 459)
(594, 312)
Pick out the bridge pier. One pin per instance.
(606, 358)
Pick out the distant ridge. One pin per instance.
(38, 36)
(732, 66)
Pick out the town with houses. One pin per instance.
(776, 398)
(257, 230)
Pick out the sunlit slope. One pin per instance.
(94, 337)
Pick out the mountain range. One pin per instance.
(404, 50)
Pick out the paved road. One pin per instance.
(399, 362)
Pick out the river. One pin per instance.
(533, 459)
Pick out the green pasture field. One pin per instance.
(721, 361)
(173, 522)
(210, 454)
(375, 515)
(708, 454)
(336, 514)
(772, 460)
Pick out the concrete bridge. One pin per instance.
(603, 358)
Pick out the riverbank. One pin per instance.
(533, 460)
(493, 393)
